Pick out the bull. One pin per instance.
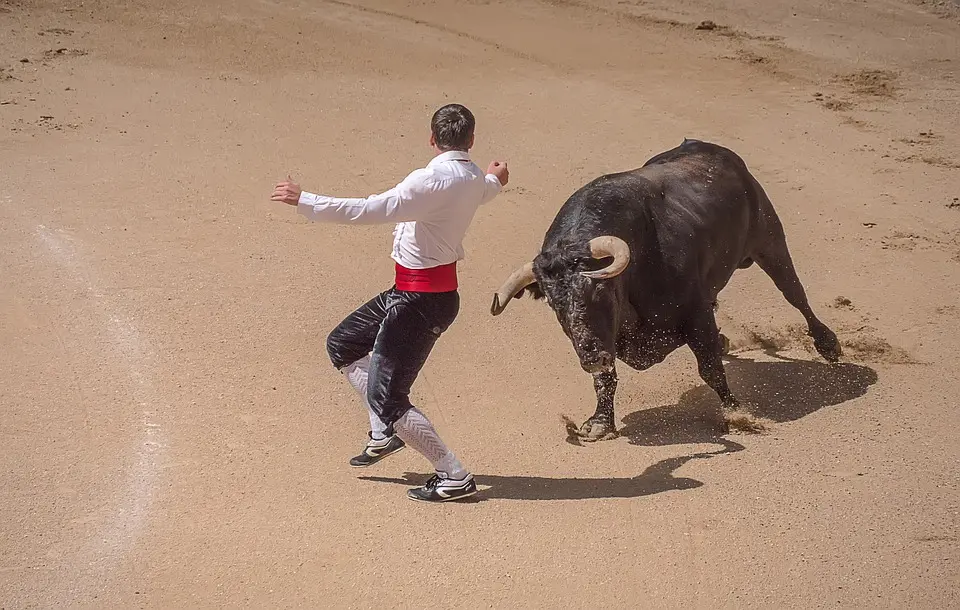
(633, 263)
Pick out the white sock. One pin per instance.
(379, 442)
(449, 467)
(356, 374)
(416, 430)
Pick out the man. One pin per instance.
(381, 347)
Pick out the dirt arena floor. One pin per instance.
(172, 435)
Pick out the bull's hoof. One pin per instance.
(828, 345)
(725, 345)
(594, 430)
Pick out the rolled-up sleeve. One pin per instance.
(408, 201)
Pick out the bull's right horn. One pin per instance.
(609, 246)
(518, 280)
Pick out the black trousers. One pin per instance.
(400, 329)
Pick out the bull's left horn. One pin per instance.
(605, 247)
(518, 280)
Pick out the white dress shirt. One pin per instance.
(433, 208)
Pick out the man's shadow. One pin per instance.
(783, 390)
(655, 479)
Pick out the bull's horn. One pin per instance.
(520, 279)
(605, 247)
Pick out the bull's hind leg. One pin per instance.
(776, 262)
(602, 425)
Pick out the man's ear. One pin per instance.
(433, 140)
(470, 145)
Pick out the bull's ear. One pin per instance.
(533, 290)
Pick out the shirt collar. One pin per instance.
(450, 155)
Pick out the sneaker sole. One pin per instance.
(460, 497)
(382, 457)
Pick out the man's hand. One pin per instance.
(499, 169)
(287, 192)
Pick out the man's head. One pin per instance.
(452, 128)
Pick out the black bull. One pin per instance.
(633, 263)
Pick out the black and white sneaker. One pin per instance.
(377, 450)
(438, 489)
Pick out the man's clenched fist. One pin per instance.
(499, 169)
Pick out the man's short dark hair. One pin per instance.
(452, 127)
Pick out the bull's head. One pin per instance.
(577, 283)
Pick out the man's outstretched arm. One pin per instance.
(405, 202)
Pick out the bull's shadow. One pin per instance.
(781, 390)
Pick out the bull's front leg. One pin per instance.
(705, 341)
(602, 425)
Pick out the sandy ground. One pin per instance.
(173, 437)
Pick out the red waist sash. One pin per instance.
(435, 279)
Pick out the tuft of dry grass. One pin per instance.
(876, 83)
(743, 421)
(842, 302)
(750, 57)
(855, 122)
(867, 348)
(832, 103)
(935, 160)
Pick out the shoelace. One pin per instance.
(432, 483)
